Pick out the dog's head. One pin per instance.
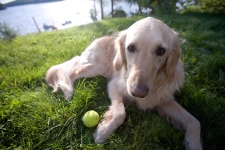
(145, 49)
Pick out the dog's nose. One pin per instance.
(139, 90)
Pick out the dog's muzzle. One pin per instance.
(139, 90)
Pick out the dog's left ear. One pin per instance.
(173, 57)
(120, 59)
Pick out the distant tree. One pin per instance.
(112, 3)
(209, 6)
(140, 3)
(101, 5)
(186, 3)
(158, 6)
(164, 6)
(93, 14)
(213, 6)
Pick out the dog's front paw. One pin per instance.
(192, 145)
(113, 118)
(101, 134)
(68, 94)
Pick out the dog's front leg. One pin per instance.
(180, 117)
(113, 118)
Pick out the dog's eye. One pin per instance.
(131, 48)
(160, 51)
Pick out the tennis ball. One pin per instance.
(90, 118)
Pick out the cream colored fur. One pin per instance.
(142, 64)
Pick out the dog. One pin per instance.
(142, 64)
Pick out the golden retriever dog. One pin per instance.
(142, 64)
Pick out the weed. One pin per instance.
(6, 32)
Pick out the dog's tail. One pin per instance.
(61, 76)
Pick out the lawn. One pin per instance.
(32, 117)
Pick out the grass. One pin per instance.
(32, 117)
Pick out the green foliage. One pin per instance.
(158, 6)
(118, 13)
(164, 6)
(213, 6)
(93, 14)
(32, 117)
(192, 9)
(6, 32)
(144, 3)
(203, 6)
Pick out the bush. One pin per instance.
(213, 6)
(193, 9)
(6, 32)
(118, 13)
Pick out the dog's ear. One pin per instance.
(173, 57)
(120, 59)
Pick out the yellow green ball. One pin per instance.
(90, 118)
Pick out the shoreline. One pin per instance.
(21, 2)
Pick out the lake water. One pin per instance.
(55, 13)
